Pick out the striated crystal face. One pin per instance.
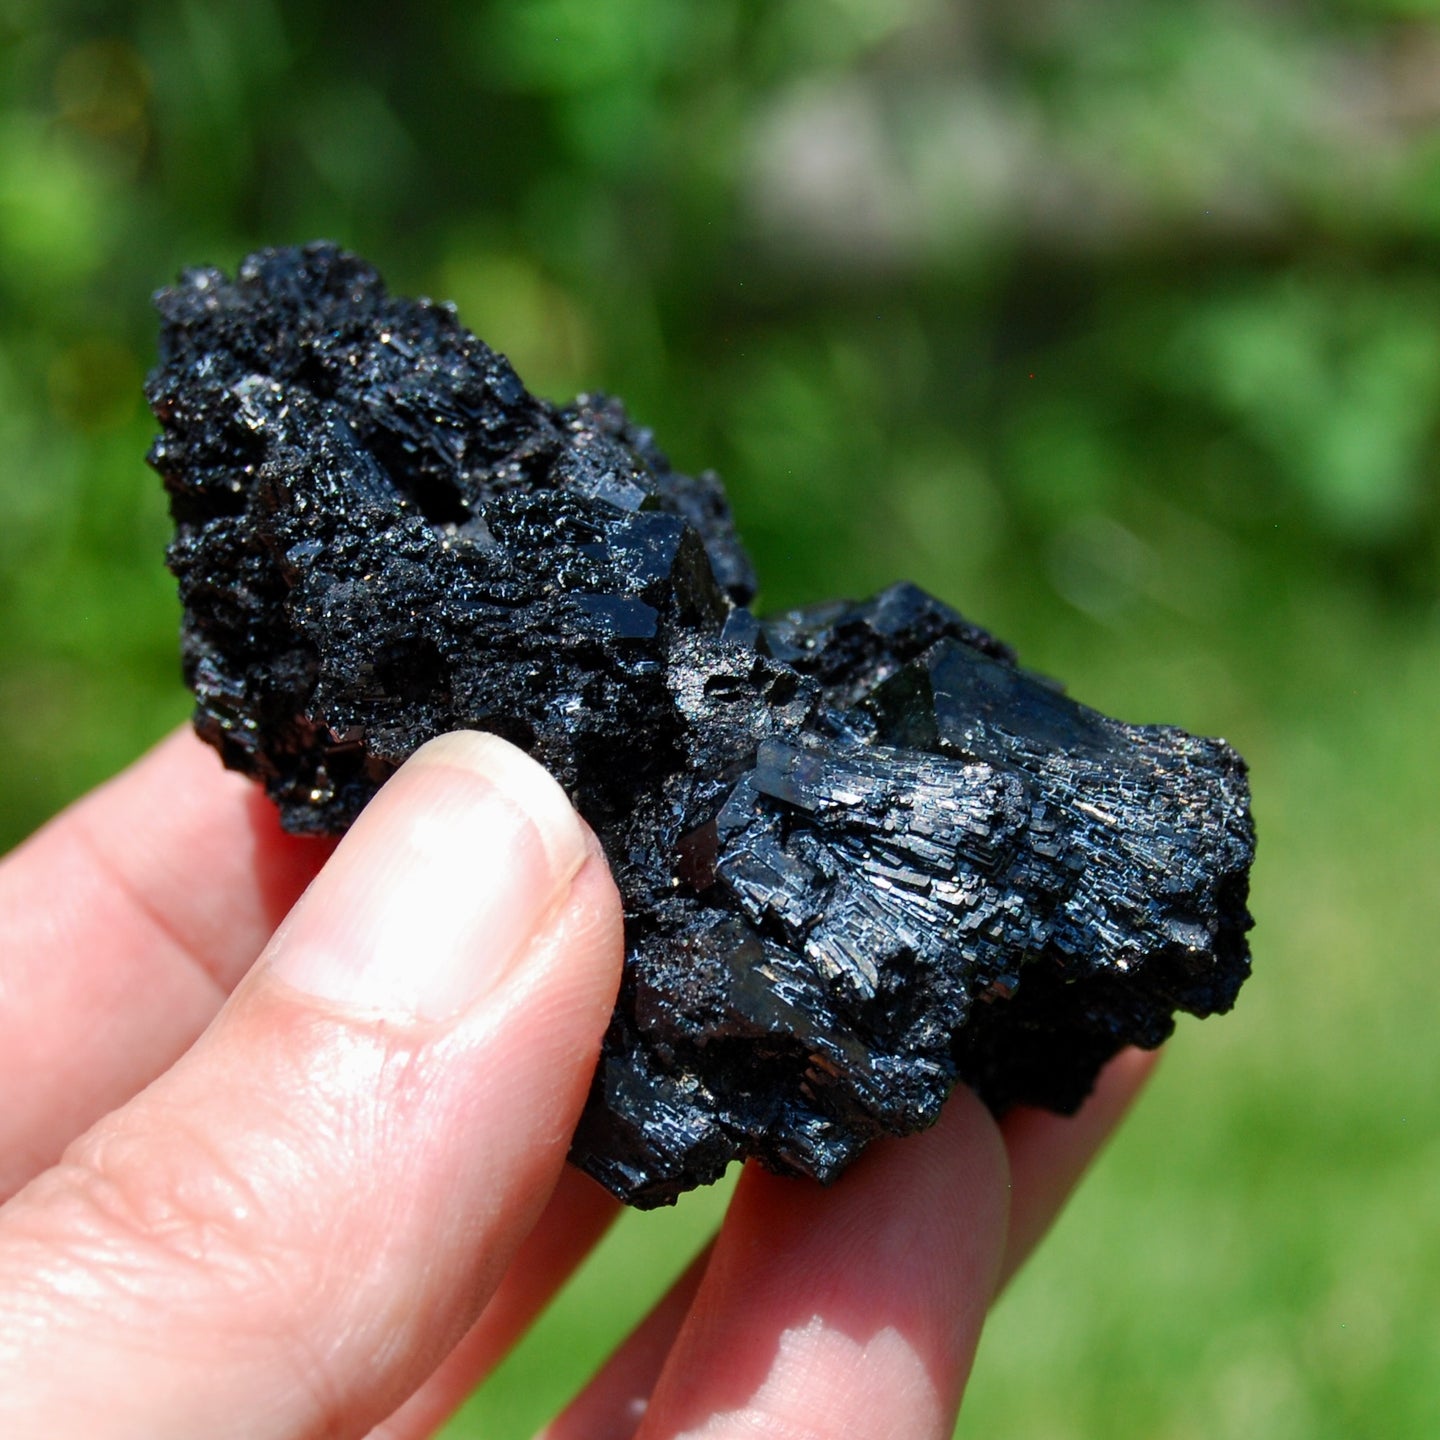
(863, 854)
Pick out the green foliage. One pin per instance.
(1115, 324)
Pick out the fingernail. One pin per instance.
(439, 887)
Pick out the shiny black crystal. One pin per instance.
(863, 855)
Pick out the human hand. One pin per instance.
(330, 1203)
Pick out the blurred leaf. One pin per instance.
(355, 142)
(1338, 380)
(563, 46)
(53, 214)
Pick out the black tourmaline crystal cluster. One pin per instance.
(863, 854)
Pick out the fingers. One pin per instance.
(289, 1230)
(1047, 1155)
(576, 1217)
(123, 925)
(614, 1402)
(852, 1311)
(1050, 1153)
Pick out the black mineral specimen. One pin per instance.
(863, 855)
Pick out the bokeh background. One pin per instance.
(1116, 324)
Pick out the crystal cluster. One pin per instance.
(863, 854)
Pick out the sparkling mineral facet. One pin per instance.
(863, 854)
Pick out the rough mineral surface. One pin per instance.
(863, 854)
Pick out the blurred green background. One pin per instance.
(1116, 324)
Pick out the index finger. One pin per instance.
(124, 923)
(852, 1311)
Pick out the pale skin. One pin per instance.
(285, 1162)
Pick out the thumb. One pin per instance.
(284, 1234)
